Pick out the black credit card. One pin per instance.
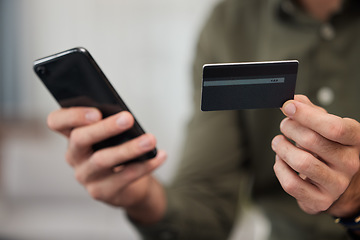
(248, 85)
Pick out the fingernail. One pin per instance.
(275, 142)
(289, 109)
(145, 143)
(92, 116)
(122, 120)
(283, 122)
(162, 156)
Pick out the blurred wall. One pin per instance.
(145, 48)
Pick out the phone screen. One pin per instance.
(74, 79)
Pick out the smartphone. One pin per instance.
(74, 79)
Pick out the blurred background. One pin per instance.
(145, 47)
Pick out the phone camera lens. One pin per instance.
(41, 70)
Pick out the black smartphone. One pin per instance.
(74, 79)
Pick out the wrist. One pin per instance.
(348, 204)
(151, 209)
(347, 210)
(352, 224)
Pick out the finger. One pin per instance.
(339, 157)
(306, 100)
(342, 130)
(83, 138)
(65, 119)
(109, 189)
(104, 160)
(302, 191)
(306, 164)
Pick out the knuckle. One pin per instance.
(133, 173)
(350, 160)
(80, 177)
(354, 130)
(69, 158)
(304, 164)
(352, 122)
(75, 115)
(130, 175)
(98, 159)
(324, 204)
(317, 205)
(353, 164)
(342, 183)
(308, 209)
(303, 97)
(355, 160)
(95, 192)
(311, 139)
(77, 138)
(126, 150)
(337, 130)
(290, 187)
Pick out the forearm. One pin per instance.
(152, 208)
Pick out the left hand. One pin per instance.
(321, 170)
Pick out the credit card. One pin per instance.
(248, 85)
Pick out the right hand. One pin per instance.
(321, 170)
(129, 186)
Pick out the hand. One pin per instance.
(321, 169)
(130, 186)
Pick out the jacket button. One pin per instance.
(327, 32)
(325, 96)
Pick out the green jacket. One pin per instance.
(227, 158)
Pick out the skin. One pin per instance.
(320, 170)
(129, 186)
(323, 163)
(321, 10)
